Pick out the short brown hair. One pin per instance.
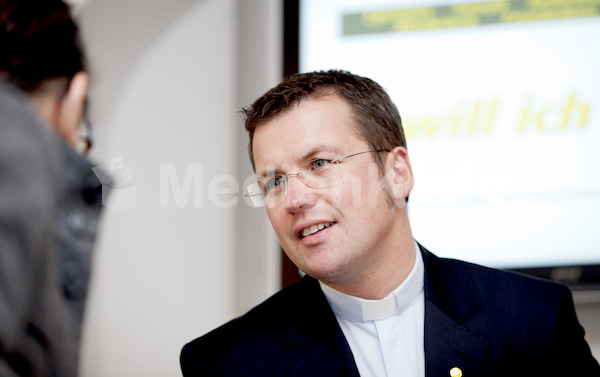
(377, 119)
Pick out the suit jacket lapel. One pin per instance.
(315, 328)
(449, 345)
(448, 303)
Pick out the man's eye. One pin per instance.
(319, 164)
(275, 183)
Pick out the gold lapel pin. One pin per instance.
(455, 372)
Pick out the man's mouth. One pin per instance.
(315, 229)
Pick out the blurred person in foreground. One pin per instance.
(50, 200)
(333, 171)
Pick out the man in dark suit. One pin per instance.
(333, 171)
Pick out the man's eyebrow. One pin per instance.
(303, 159)
(318, 149)
(270, 170)
(267, 173)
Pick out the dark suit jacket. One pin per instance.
(484, 321)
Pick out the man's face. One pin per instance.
(355, 210)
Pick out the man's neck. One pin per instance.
(382, 279)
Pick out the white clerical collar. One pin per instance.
(361, 310)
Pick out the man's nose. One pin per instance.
(298, 194)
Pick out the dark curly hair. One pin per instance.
(38, 41)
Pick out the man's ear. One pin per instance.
(71, 108)
(399, 175)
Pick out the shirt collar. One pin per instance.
(361, 310)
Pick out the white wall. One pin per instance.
(258, 264)
(166, 91)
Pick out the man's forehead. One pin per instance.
(322, 124)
